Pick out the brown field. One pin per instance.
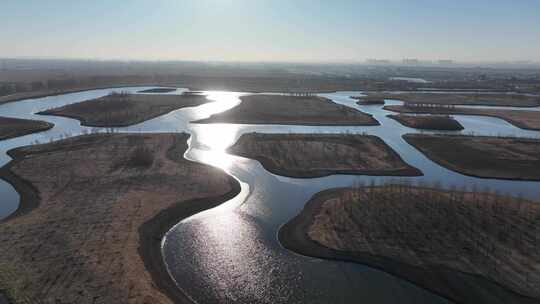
(15, 127)
(431, 122)
(316, 155)
(485, 99)
(492, 157)
(529, 120)
(291, 110)
(431, 237)
(120, 109)
(94, 209)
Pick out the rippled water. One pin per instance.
(231, 253)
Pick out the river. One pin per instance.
(231, 253)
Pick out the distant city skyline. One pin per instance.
(272, 30)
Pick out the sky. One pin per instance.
(271, 30)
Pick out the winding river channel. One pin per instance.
(231, 253)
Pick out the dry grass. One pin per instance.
(14, 127)
(122, 109)
(279, 109)
(314, 155)
(495, 157)
(82, 242)
(479, 233)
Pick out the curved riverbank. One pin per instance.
(133, 209)
(455, 285)
(16, 127)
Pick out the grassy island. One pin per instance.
(471, 99)
(428, 122)
(93, 212)
(469, 247)
(15, 127)
(122, 109)
(158, 90)
(368, 101)
(482, 156)
(522, 119)
(291, 110)
(316, 155)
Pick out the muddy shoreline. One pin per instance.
(451, 284)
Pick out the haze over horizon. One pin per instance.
(279, 30)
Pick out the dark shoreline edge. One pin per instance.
(510, 121)
(444, 164)
(453, 285)
(151, 232)
(398, 118)
(268, 164)
(47, 126)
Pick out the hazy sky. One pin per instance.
(271, 30)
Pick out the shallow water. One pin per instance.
(231, 253)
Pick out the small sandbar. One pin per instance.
(291, 110)
(122, 109)
(317, 155)
(15, 127)
(468, 247)
(428, 122)
(482, 156)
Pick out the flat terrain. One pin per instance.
(529, 120)
(93, 212)
(367, 101)
(431, 122)
(468, 247)
(479, 99)
(291, 110)
(158, 90)
(120, 110)
(493, 157)
(316, 155)
(15, 127)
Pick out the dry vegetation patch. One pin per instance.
(428, 236)
(482, 156)
(92, 236)
(15, 127)
(428, 122)
(521, 119)
(123, 109)
(315, 155)
(291, 110)
(480, 99)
